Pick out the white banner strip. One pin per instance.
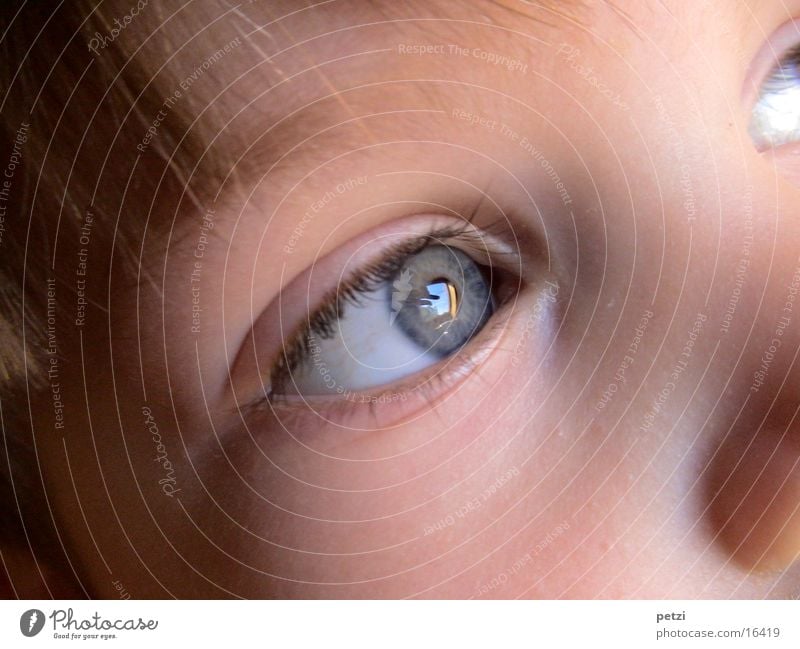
(400, 624)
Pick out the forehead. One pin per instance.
(291, 55)
(313, 79)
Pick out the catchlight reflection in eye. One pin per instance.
(437, 300)
(775, 119)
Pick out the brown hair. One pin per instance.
(78, 104)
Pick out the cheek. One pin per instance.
(508, 502)
(425, 508)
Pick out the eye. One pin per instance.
(418, 306)
(775, 119)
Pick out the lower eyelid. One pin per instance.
(403, 400)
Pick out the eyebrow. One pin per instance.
(270, 155)
(274, 146)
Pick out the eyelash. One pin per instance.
(366, 280)
(784, 74)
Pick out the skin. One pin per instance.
(517, 478)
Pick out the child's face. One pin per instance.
(621, 422)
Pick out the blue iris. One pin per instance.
(440, 299)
